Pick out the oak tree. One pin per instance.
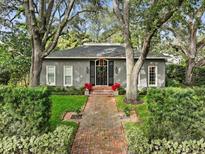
(187, 35)
(150, 16)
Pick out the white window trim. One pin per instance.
(68, 85)
(52, 84)
(156, 70)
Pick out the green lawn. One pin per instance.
(141, 109)
(62, 104)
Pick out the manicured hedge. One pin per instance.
(176, 114)
(24, 111)
(65, 91)
(140, 144)
(121, 91)
(56, 142)
(175, 75)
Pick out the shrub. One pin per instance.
(142, 92)
(23, 111)
(121, 91)
(56, 142)
(175, 75)
(88, 86)
(139, 143)
(127, 111)
(66, 90)
(176, 114)
(116, 86)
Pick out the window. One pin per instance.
(50, 75)
(152, 75)
(68, 75)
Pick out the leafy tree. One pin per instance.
(45, 22)
(101, 24)
(15, 53)
(73, 39)
(148, 16)
(186, 34)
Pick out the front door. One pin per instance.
(101, 72)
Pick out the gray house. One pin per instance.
(99, 64)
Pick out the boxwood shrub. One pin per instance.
(139, 143)
(56, 142)
(66, 90)
(176, 114)
(24, 111)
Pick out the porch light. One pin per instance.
(87, 70)
(116, 70)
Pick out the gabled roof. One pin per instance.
(90, 51)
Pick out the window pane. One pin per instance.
(68, 75)
(68, 71)
(51, 75)
(67, 80)
(51, 69)
(50, 78)
(152, 75)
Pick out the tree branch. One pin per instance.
(42, 13)
(179, 47)
(117, 11)
(201, 44)
(62, 24)
(201, 62)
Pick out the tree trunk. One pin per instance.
(36, 64)
(131, 94)
(129, 67)
(189, 71)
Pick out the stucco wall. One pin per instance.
(120, 72)
(81, 72)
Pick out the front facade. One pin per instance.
(99, 65)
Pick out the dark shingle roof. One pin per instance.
(97, 51)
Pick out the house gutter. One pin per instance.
(164, 58)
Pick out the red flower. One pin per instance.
(88, 86)
(116, 86)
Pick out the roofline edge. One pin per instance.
(101, 57)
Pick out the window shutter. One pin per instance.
(111, 72)
(92, 72)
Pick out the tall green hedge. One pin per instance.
(176, 114)
(23, 111)
(175, 75)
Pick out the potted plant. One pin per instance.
(88, 87)
(115, 88)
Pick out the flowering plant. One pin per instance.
(88, 86)
(116, 86)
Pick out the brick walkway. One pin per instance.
(100, 130)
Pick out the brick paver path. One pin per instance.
(100, 130)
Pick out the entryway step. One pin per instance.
(102, 92)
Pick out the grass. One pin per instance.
(121, 105)
(140, 109)
(62, 104)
